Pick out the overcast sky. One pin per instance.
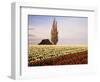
(71, 30)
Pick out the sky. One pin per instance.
(71, 30)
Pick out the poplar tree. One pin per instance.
(54, 33)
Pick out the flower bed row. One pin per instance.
(76, 58)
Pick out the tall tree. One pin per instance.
(54, 33)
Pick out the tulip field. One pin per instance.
(44, 55)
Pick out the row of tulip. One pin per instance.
(40, 52)
(75, 58)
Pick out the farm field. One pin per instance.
(43, 55)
